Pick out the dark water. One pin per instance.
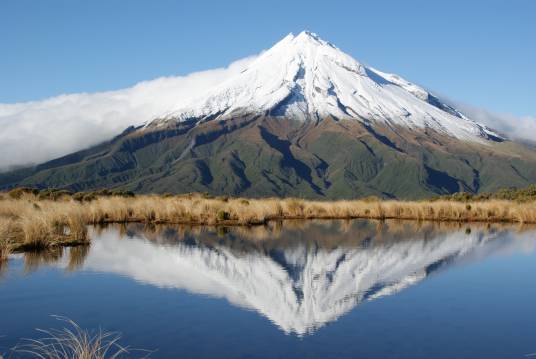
(355, 289)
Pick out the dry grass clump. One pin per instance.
(30, 223)
(73, 342)
(8, 233)
(5, 250)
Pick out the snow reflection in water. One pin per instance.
(299, 275)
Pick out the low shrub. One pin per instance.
(54, 194)
(17, 193)
(527, 194)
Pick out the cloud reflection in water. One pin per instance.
(299, 276)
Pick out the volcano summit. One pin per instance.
(302, 119)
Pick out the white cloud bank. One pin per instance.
(514, 127)
(34, 132)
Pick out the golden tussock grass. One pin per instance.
(30, 222)
(73, 342)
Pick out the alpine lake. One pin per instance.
(302, 289)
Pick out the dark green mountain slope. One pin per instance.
(263, 156)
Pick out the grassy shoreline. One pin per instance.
(30, 220)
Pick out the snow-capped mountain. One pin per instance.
(301, 119)
(306, 78)
(299, 287)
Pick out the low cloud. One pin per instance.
(513, 127)
(34, 132)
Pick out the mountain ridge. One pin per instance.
(304, 119)
(304, 77)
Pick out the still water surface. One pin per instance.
(356, 289)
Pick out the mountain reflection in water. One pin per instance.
(300, 275)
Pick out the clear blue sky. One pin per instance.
(480, 52)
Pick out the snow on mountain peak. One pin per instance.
(303, 77)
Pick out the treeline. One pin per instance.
(55, 194)
(527, 194)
